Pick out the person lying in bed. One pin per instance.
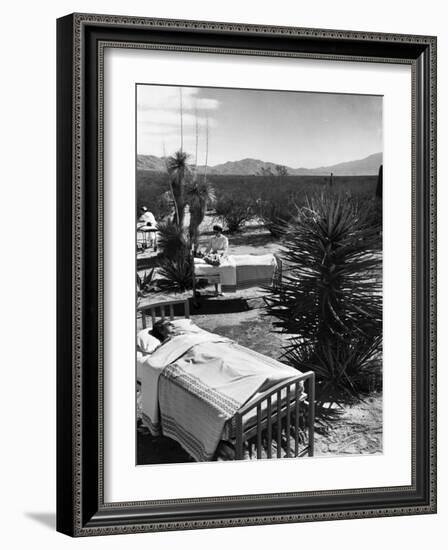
(159, 330)
(148, 340)
(195, 381)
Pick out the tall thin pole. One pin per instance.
(197, 137)
(206, 149)
(181, 123)
(170, 183)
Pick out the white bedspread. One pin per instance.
(150, 367)
(254, 259)
(226, 271)
(240, 270)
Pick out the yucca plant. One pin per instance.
(175, 260)
(341, 367)
(372, 207)
(176, 273)
(171, 238)
(146, 282)
(178, 172)
(200, 195)
(330, 296)
(330, 283)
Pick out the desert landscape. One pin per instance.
(320, 307)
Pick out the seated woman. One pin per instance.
(216, 250)
(218, 244)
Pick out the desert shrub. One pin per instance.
(373, 208)
(164, 206)
(152, 191)
(234, 211)
(329, 299)
(277, 209)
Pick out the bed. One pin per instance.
(220, 400)
(240, 271)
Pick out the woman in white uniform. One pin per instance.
(147, 224)
(218, 244)
(216, 250)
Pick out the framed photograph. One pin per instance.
(246, 274)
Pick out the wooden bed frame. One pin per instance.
(279, 420)
(166, 310)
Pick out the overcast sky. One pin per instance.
(296, 129)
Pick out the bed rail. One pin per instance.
(279, 420)
(163, 310)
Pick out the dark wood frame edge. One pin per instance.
(81, 510)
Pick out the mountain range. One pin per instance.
(367, 166)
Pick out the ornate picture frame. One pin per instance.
(81, 507)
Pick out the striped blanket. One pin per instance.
(203, 379)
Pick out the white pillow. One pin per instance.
(146, 342)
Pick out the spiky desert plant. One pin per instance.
(330, 296)
(200, 195)
(175, 260)
(331, 285)
(171, 238)
(176, 273)
(146, 282)
(341, 367)
(178, 172)
(371, 206)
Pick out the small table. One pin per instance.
(148, 233)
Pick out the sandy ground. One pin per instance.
(358, 431)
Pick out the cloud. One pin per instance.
(158, 116)
(167, 98)
(171, 119)
(162, 144)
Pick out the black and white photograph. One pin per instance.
(259, 274)
(223, 220)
